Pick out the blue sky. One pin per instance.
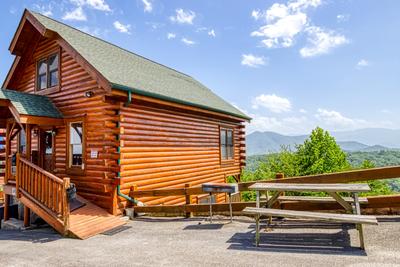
(291, 65)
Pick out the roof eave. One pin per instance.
(175, 100)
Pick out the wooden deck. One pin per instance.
(91, 220)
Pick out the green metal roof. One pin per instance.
(30, 104)
(128, 71)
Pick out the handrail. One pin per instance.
(338, 177)
(48, 174)
(47, 190)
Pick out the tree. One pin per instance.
(378, 187)
(320, 154)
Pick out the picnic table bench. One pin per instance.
(332, 189)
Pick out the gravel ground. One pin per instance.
(194, 242)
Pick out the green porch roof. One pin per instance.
(128, 71)
(30, 104)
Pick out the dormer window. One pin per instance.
(48, 72)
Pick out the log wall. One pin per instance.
(163, 148)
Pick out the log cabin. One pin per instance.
(78, 110)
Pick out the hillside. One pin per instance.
(259, 143)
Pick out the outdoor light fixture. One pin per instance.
(89, 94)
(35, 132)
(54, 132)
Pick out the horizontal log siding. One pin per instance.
(167, 149)
(96, 184)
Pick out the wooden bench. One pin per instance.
(282, 199)
(332, 217)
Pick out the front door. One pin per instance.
(47, 150)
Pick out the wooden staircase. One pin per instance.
(46, 195)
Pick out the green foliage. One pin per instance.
(379, 158)
(317, 155)
(320, 154)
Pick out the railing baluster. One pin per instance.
(28, 177)
(59, 196)
(54, 192)
(35, 184)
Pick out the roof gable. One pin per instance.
(128, 71)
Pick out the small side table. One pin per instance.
(215, 188)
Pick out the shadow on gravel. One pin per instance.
(34, 236)
(205, 226)
(314, 243)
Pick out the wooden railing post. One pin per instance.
(277, 177)
(188, 199)
(65, 206)
(17, 175)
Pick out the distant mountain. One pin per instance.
(258, 143)
(353, 146)
(371, 137)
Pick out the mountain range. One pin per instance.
(367, 140)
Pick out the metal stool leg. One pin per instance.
(210, 207)
(230, 207)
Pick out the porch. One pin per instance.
(29, 123)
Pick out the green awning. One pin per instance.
(30, 104)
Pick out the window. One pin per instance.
(75, 146)
(226, 142)
(47, 72)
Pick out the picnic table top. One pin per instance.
(310, 187)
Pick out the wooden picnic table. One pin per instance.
(331, 189)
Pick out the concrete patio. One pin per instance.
(194, 242)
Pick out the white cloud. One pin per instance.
(183, 17)
(148, 5)
(187, 41)
(46, 10)
(95, 4)
(76, 14)
(334, 118)
(171, 35)
(13, 10)
(283, 22)
(342, 17)
(256, 14)
(155, 25)
(303, 124)
(321, 41)
(273, 103)
(211, 33)
(124, 28)
(362, 64)
(302, 110)
(253, 61)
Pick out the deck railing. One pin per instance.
(374, 202)
(46, 190)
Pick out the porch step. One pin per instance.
(91, 220)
